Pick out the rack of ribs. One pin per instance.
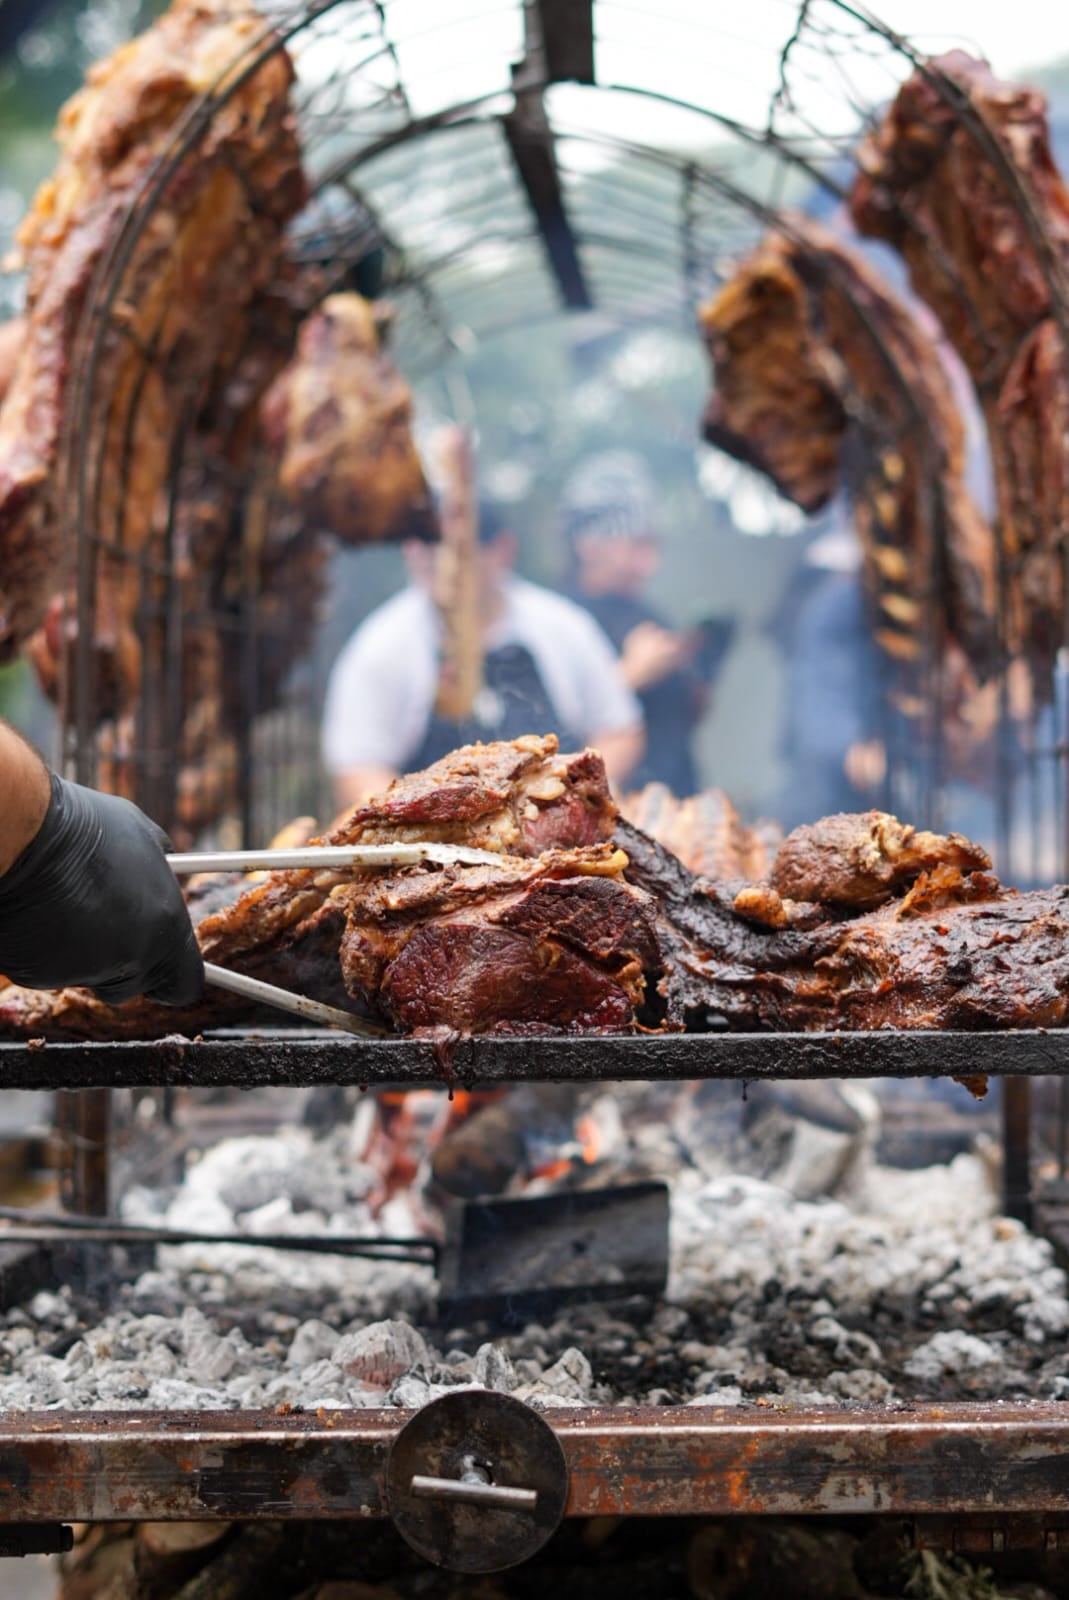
(704, 832)
(215, 234)
(824, 379)
(983, 246)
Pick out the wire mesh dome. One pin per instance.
(481, 167)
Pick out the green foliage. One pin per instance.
(939, 1577)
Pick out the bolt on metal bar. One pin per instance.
(473, 1492)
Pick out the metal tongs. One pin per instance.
(316, 858)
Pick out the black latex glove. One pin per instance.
(92, 901)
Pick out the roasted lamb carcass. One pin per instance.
(824, 379)
(339, 421)
(213, 236)
(928, 186)
(252, 576)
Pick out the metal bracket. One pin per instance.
(35, 1539)
(476, 1481)
(973, 1534)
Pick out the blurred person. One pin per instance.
(548, 668)
(834, 687)
(609, 521)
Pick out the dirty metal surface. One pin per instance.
(252, 1061)
(687, 1462)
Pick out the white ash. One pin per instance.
(909, 1285)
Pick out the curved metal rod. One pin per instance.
(274, 37)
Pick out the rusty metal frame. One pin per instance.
(686, 1461)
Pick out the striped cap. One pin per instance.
(610, 496)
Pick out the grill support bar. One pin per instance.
(946, 1460)
(251, 1061)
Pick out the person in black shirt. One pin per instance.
(615, 549)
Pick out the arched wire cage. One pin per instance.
(484, 166)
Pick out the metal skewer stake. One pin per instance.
(317, 856)
(298, 1005)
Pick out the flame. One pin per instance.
(591, 1143)
(553, 1170)
(590, 1138)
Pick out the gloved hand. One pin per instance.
(92, 901)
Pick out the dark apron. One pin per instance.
(514, 701)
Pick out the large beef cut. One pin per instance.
(824, 379)
(929, 186)
(213, 238)
(558, 944)
(339, 420)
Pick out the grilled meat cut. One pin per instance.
(518, 798)
(823, 379)
(584, 923)
(705, 832)
(558, 944)
(214, 236)
(857, 862)
(339, 420)
(12, 337)
(773, 406)
(928, 186)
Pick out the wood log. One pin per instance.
(99, 1564)
(349, 1590)
(456, 580)
(167, 1554)
(247, 1568)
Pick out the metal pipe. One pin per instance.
(1016, 1148)
(54, 1231)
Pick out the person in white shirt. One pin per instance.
(548, 668)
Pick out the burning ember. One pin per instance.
(905, 1284)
